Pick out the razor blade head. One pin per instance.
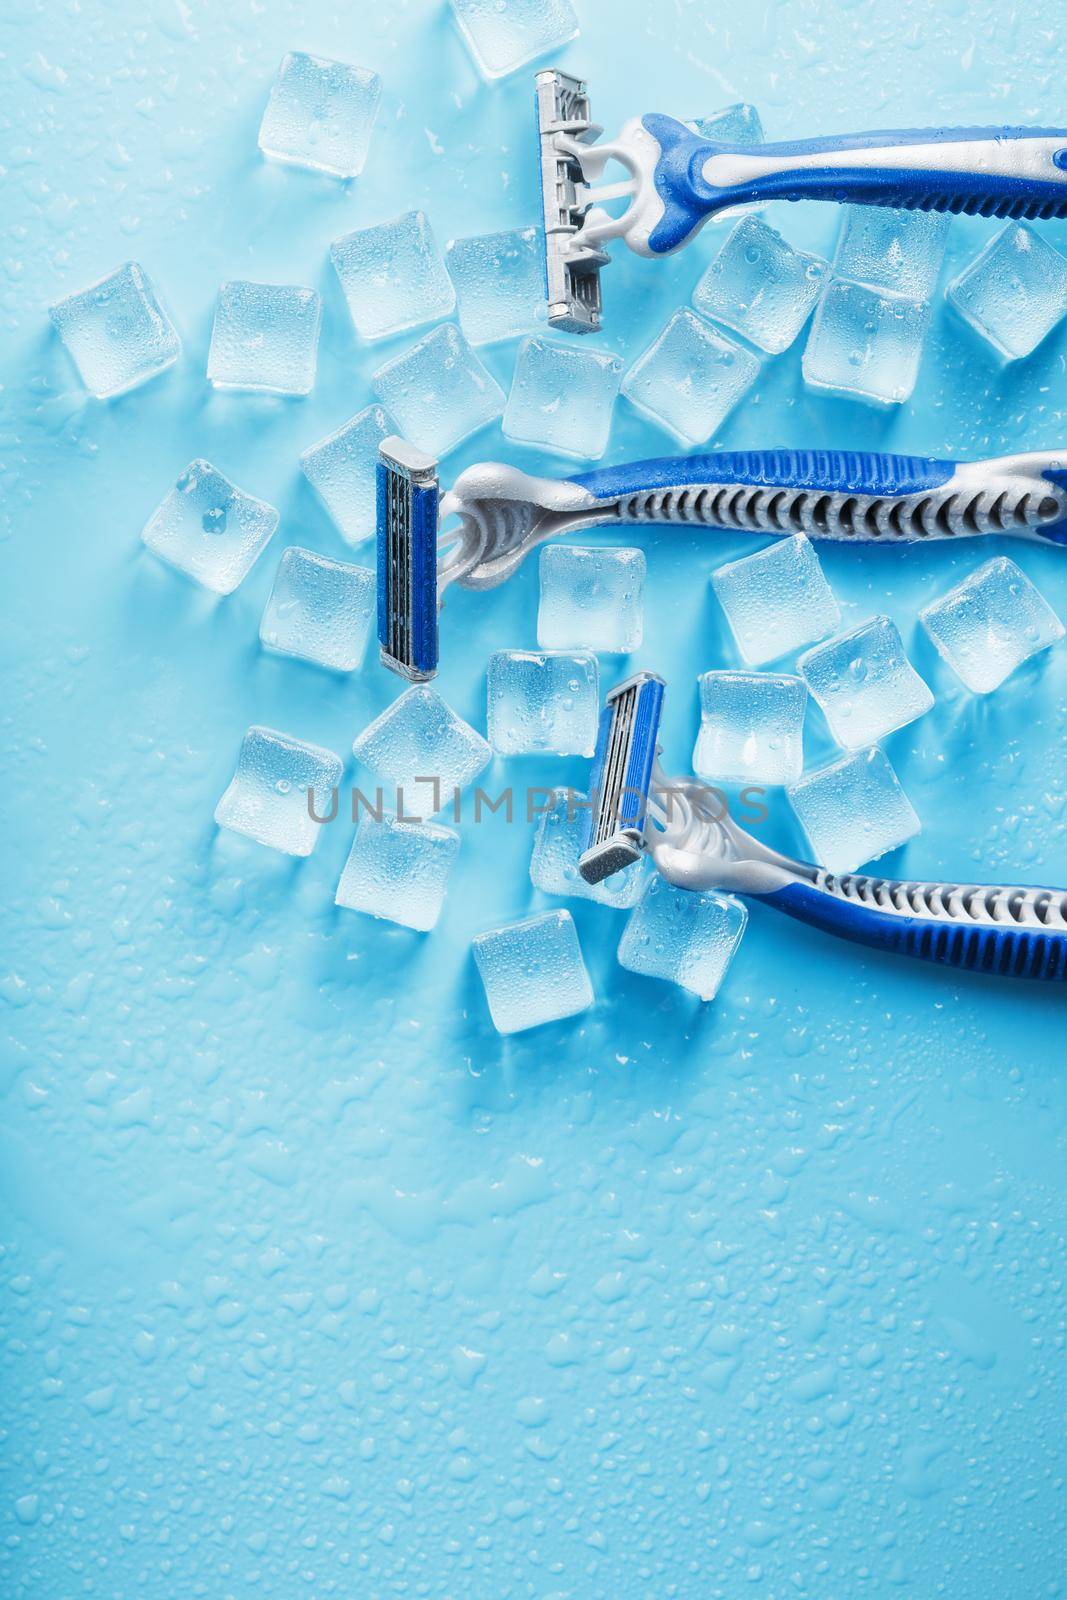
(621, 777)
(572, 271)
(408, 494)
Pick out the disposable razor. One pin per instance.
(479, 532)
(676, 180)
(695, 844)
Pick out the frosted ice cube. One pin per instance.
(736, 124)
(865, 344)
(865, 684)
(690, 378)
(760, 286)
(268, 797)
(320, 115)
(591, 599)
(399, 871)
(990, 624)
(533, 971)
(209, 529)
(685, 936)
(342, 469)
(897, 250)
(393, 276)
(117, 332)
(853, 810)
(503, 35)
(266, 337)
(420, 737)
(319, 610)
(438, 391)
(547, 700)
(776, 600)
(1014, 293)
(751, 728)
(562, 398)
(500, 283)
(554, 863)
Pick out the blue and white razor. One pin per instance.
(694, 844)
(479, 532)
(677, 180)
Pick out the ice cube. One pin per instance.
(736, 124)
(342, 469)
(533, 971)
(399, 871)
(901, 251)
(1014, 293)
(319, 610)
(685, 936)
(419, 737)
(776, 600)
(117, 332)
(209, 529)
(393, 276)
(268, 798)
(760, 286)
(320, 115)
(690, 378)
(543, 701)
(500, 283)
(865, 684)
(990, 624)
(503, 35)
(591, 599)
(265, 337)
(554, 863)
(751, 728)
(562, 398)
(865, 344)
(438, 391)
(853, 810)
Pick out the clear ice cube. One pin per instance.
(1014, 293)
(500, 283)
(853, 810)
(399, 871)
(690, 378)
(265, 337)
(562, 398)
(865, 344)
(901, 251)
(751, 728)
(419, 737)
(209, 529)
(320, 114)
(543, 701)
(736, 124)
(533, 971)
(268, 798)
(760, 286)
(684, 936)
(438, 391)
(990, 624)
(393, 276)
(342, 470)
(554, 862)
(319, 610)
(117, 332)
(591, 599)
(865, 684)
(776, 600)
(503, 35)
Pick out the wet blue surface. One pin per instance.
(313, 1285)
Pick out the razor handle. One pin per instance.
(998, 172)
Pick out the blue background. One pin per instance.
(312, 1285)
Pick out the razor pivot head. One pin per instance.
(572, 272)
(408, 493)
(621, 777)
